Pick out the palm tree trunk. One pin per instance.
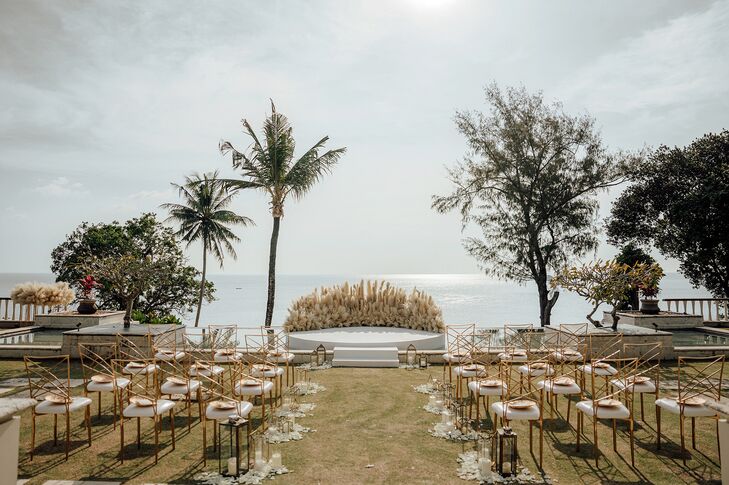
(202, 281)
(272, 271)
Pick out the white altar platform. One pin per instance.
(366, 337)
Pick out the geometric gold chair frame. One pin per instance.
(49, 381)
(699, 381)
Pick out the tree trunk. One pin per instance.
(128, 313)
(615, 316)
(272, 271)
(545, 302)
(202, 281)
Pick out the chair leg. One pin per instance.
(595, 444)
(68, 433)
(205, 440)
(156, 438)
(530, 436)
(172, 427)
(55, 430)
(658, 427)
(642, 413)
(569, 405)
(139, 435)
(693, 433)
(32, 438)
(121, 436)
(541, 441)
(615, 442)
(579, 429)
(88, 423)
(189, 409)
(683, 445)
(632, 444)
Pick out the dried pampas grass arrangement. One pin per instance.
(370, 304)
(41, 294)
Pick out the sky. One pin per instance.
(104, 104)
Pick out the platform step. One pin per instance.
(365, 357)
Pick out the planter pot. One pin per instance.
(649, 306)
(87, 307)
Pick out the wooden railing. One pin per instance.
(18, 312)
(717, 309)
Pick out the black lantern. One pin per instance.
(423, 361)
(230, 462)
(321, 355)
(506, 456)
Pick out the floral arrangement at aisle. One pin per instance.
(252, 477)
(370, 304)
(470, 469)
(311, 367)
(42, 294)
(307, 388)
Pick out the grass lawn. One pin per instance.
(368, 416)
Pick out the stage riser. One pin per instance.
(365, 357)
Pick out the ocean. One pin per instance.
(464, 298)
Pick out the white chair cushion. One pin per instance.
(461, 371)
(551, 388)
(455, 359)
(150, 369)
(476, 387)
(531, 413)
(599, 371)
(241, 390)
(165, 357)
(258, 372)
(562, 357)
(121, 383)
(135, 411)
(47, 407)
(170, 388)
(215, 370)
(672, 406)
(243, 410)
(528, 370)
(508, 357)
(222, 357)
(280, 358)
(604, 412)
(640, 387)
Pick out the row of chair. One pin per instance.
(524, 369)
(148, 377)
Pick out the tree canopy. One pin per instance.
(678, 203)
(529, 180)
(172, 285)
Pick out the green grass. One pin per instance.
(369, 416)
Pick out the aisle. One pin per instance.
(350, 435)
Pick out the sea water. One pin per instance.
(464, 298)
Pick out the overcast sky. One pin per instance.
(105, 103)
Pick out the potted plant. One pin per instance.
(87, 302)
(649, 276)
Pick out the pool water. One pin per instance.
(683, 338)
(37, 337)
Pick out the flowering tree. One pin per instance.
(608, 282)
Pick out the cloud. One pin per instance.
(12, 213)
(677, 68)
(61, 187)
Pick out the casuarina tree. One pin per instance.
(529, 181)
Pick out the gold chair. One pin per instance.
(562, 381)
(49, 381)
(97, 372)
(248, 385)
(469, 366)
(607, 403)
(181, 379)
(224, 342)
(699, 381)
(219, 400)
(454, 355)
(523, 405)
(648, 377)
(142, 400)
(490, 383)
(601, 349)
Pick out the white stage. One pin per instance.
(367, 337)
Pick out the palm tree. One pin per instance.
(269, 166)
(203, 216)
